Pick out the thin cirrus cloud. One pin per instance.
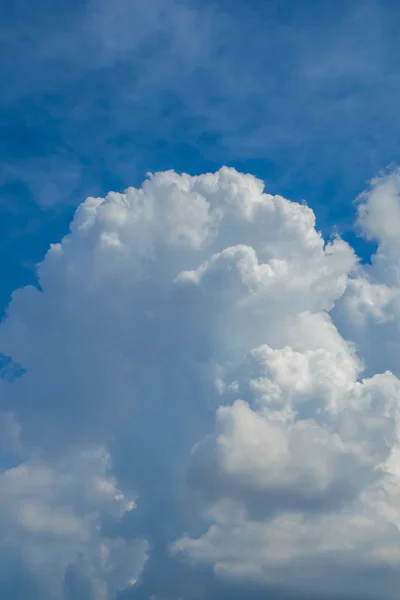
(209, 401)
(147, 81)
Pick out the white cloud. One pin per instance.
(194, 361)
(369, 311)
(309, 463)
(51, 513)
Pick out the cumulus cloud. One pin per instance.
(369, 311)
(199, 397)
(51, 516)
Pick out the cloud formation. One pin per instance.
(187, 66)
(209, 401)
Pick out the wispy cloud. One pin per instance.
(312, 87)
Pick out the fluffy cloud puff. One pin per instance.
(202, 389)
(53, 540)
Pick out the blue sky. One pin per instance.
(198, 396)
(95, 94)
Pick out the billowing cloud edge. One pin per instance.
(198, 358)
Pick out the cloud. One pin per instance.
(50, 521)
(198, 409)
(369, 311)
(304, 474)
(118, 68)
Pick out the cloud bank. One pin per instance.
(206, 401)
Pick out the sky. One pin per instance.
(200, 299)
